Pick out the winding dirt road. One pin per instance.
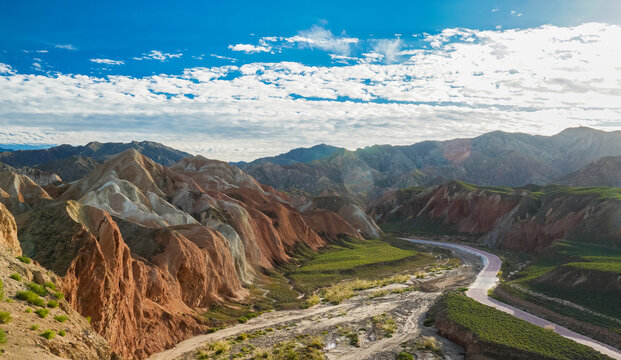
(488, 278)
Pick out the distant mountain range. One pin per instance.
(73, 162)
(496, 158)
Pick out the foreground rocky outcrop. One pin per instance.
(75, 339)
(143, 249)
(528, 218)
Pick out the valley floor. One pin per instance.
(367, 326)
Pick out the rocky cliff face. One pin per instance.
(79, 340)
(143, 249)
(522, 218)
(8, 231)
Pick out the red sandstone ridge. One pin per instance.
(143, 249)
(523, 218)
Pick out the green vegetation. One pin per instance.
(361, 259)
(5, 317)
(429, 343)
(344, 290)
(312, 301)
(598, 263)
(60, 318)
(28, 310)
(30, 298)
(24, 259)
(88, 319)
(384, 325)
(496, 327)
(37, 289)
(3, 338)
(50, 285)
(62, 332)
(601, 192)
(16, 276)
(58, 295)
(52, 304)
(42, 313)
(48, 334)
(34, 327)
(405, 356)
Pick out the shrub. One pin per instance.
(24, 259)
(28, 310)
(16, 276)
(34, 327)
(37, 289)
(88, 318)
(50, 285)
(62, 333)
(58, 295)
(52, 304)
(30, 298)
(60, 318)
(428, 322)
(5, 317)
(431, 343)
(42, 313)
(2, 336)
(405, 356)
(48, 334)
(312, 301)
(242, 319)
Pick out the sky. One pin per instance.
(245, 79)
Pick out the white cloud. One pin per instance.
(66, 47)
(158, 55)
(323, 39)
(250, 49)
(6, 69)
(495, 10)
(537, 80)
(223, 57)
(108, 61)
(389, 49)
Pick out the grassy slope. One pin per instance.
(368, 259)
(595, 260)
(493, 326)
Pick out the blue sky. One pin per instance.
(237, 80)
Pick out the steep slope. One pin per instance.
(19, 193)
(73, 162)
(496, 158)
(604, 172)
(75, 339)
(140, 303)
(144, 249)
(527, 219)
(40, 177)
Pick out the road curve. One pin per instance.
(488, 278)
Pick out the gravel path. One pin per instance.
(488, 278)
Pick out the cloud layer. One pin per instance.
(462, 83)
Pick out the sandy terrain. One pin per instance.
(335, 323)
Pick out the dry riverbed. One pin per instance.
(377, 323)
